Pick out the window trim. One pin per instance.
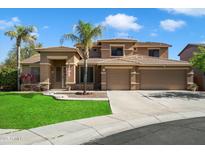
(117, 45)
(154, 49)
(79, 79)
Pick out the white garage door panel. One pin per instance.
(163, 79)
(118, 79)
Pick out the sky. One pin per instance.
(177, 27)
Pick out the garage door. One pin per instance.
(163, 79)
(118, 79)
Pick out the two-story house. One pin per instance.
(186, 54)
(113, 64)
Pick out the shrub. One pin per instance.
(193, 87)
(8, 78)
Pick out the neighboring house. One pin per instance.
(186, 54)
(114, 64)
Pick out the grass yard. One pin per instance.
(29, 110)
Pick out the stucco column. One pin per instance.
(103, 79)
(45, 76)
(190, 77)
(134, 78)
(70, 75)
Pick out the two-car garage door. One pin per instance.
(163, 79)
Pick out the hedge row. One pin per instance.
(8, 79)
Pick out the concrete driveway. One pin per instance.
(155, 102)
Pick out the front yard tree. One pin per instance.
(27, 51)
(198, 60)
(21, 34)
(84, 35)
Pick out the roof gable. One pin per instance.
(191, 44)
(58, 48)
(33, 59)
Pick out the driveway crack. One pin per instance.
(41, 136)
(122, 121)
(91, 128)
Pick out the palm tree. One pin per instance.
(21, 34)
(84, 35)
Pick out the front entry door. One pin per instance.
(60, 74)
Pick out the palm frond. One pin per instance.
(11, 34)
(71, 37)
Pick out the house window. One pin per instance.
(89, 74)
(116, 51)
(154, 52)
(35, 71)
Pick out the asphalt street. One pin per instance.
(180, 132)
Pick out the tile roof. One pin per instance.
(136, 60)
(93, 61)
(153, 44)
(128, 60)
(57, 48)
(33, 59)
(117, 40)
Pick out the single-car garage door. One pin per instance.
(118, 79)
(163, 79)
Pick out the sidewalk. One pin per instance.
(85, 130)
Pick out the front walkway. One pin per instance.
(131, 109)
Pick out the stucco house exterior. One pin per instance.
(186, 54)
(113, 64)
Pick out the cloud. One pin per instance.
(74, 27)
(15, 19)
(153, 34)
(8, 23)
(122, 22)
(187, 11)
(171, 25)
(35, 32)
(45, 27)
(122, 35)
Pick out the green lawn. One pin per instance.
(23, 111)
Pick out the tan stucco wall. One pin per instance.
(106, 52)
(145, 51)
(129, 49)
(48, 63)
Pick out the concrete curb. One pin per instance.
(86, 130)
(64, 97)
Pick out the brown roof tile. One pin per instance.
(152, 44)
(118, 40)
(57, 48)
(142, 61)
(33, 59)
(136, 60)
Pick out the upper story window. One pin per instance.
(154, 52)
(117, 51)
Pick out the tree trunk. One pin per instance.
(18, 67)
(85, 75)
